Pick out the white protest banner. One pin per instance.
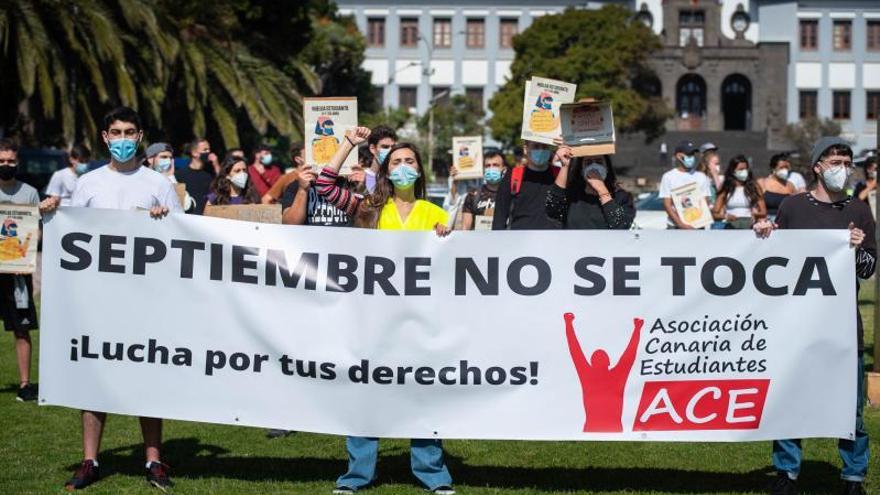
(403, 334)
(467, 156)
(326, 120)
(19, 235)
(541, 108)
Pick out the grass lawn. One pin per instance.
(40, 446)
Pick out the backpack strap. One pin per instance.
(516, 178)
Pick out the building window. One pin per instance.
(476, 33)
(407, 97)
(376, 32)
(440, 95)
(807, 104)
(691, 97)
(508, 29)
(809, 35)
(442, 33)
(475, 94)
(690, 25)
(842, 35)
(840, 105)
(873, 101)
(873, 41)
(379, 96)
(409, 32)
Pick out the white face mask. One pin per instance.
(741, 175)
(835, 178)
(239, 180)
(597, 167)
(783, 173)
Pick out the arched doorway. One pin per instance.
(690, 101)
(736, 103)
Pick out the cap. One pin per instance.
(156, 148)
(708, 146)
(823, 144)
(686, 147)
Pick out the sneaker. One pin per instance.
(85, 475)
(443, 490)
(343, 490)
(27, 393)
(853, 488)
(783, 485)
(157, 475)
(278, 433)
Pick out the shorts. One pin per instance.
(17, 320)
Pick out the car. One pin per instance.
(650, 214)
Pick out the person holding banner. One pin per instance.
(828, 206)
(479, 205)
(740, 200)
(684, 174)
(586, 194)
(231, 186)
(63, 181)
(397, 203)
(123, 184)
(520, 203)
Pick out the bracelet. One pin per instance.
(350, 142)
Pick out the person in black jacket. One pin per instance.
(520, 206)
(586, 195)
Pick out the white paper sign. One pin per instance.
(467, 156)
(326, 120)
(541, 108)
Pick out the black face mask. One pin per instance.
(7, 173)
(203, 157)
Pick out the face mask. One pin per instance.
(7, 173)
(266, 159)
(81, 168)
(163, 165)
(239, 180)
(492, 175)
(123, 149)
(383, 154)
(835, 178)
(872, 175)
(539, 158)
(597, 167)
(404, 176)
(689, 161)
(783, 173)
(203, 157)
(741, 175)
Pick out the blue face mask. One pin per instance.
(123, 149)
(81, 168)
(492, 175)
(689, 161)
(404, 177)
(383, 154)
(163, 165)
(539, 158)
(266, 159)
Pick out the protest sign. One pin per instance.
(691, 205)
(467, 156)
(326, 120)
(588, 127)
(19, 235)
(250, 213)
(543, 98)
(613, 336)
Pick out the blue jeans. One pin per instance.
(853, 453)
(426, 460)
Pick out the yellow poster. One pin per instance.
(326, 120)
(19, 235)
(541, 118)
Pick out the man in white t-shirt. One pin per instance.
(123, 184)
(683, 174)
(63, 182)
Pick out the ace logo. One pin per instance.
(680, 405)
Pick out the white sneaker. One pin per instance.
(343, 490)
(444, 490)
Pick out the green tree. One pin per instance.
(804, 134)
(602, 51)
(455, 116)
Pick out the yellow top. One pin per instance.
(424, 216)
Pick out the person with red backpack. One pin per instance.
(520, 203)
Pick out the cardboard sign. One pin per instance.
(588, 127)
(543, 97)
(691, 205)
(19, 235)
(467, 156)
(249, 213)
(326, 120)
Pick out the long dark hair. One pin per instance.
(730, 181)
(371, 207)
(576, 183)
(221, 184)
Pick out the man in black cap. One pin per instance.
(828, 206)
(684, 173)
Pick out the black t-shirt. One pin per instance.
(529, 211)
(479, 201)
(318, 210)
(198, 185)
(803, 211)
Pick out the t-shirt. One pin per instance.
(675, 178)
(262, 182)
(142, 188)
(529, 211)
(319, 211)
(798, 180)
(423, 216)
(19, 194)
(62, 184)
(198, 184)
(481, 204)
(233, 200)
(803, 211)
